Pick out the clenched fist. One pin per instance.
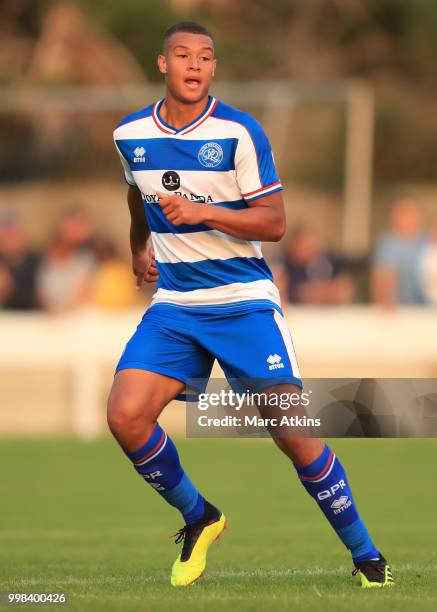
(144, 266)
(179, 210)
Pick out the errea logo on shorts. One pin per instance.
(275, 362)
(139, 155)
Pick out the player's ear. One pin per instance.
(162, 63)
(214, 66)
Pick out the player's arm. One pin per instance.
(143, 260)
(264, 219)
(259, 185)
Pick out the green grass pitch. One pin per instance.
(76, 517)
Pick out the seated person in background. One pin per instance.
(19, 266)
(428, 268)
(6, 285)
(312, 275)
(65, 277)
(114, 285)
(76, 226)
(396, 258)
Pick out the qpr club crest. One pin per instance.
(210, 155)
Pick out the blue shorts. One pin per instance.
(250, 342)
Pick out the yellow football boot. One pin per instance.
(197, 538)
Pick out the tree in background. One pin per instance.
(391, 43)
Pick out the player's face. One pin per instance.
(188, 64)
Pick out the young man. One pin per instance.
(203, 184)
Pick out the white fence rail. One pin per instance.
(55, 372)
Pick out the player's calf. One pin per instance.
(326, 481)
(157, 461)
(133, 409)
(324, 478)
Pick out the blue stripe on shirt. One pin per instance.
(159, 223)
(209, 273)
(175, 154)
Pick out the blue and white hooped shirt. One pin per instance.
(222, 158)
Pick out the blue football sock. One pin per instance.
(326, 481)
(157, 461)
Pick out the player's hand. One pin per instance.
(144, 266)
(179, 210)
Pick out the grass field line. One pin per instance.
(217, 574)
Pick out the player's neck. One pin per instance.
(178, 114)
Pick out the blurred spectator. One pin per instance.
(76, 229)
(65, 276)
(18, 264)
(114, 283)
(428, 268)
(313, 275)
(6, 284)
(397, 255)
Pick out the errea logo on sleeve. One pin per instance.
(139, 153)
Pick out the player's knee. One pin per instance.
(125, 414)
